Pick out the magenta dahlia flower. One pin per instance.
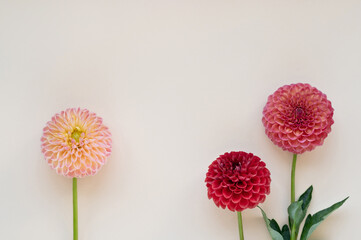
(76, 143)
(297, 117)
(238, 180)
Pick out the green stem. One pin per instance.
(293, 233)
(293, 194)
(240, 226)
(75, 209)
(293, 173)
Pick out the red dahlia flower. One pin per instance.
(297, 117)
(238, 180)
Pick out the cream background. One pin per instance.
(178, 83)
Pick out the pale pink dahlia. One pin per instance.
(297, 117)
(76, 143)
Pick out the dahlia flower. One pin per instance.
(238, 180)
(76, 143)
(297, 117)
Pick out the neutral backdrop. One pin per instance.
(178, 83)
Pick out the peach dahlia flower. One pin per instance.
(75, 143)
(297, 117)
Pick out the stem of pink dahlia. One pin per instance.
(75, 208)
(240, 226)
(293, 233)
(293, 173)
(293, 193)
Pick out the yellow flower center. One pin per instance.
(76, 134)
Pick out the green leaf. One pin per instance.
(274, 225)
(306, 198)
(285, 232)
(296, 215)
(275, 235)
(297, 210)
(312, 221)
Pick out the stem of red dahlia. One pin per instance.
(240, 226)
(293, 173)
(75, 209)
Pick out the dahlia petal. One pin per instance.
(225, 201)
(248, 187)
(302, 139)
(279, 121)
(241, 184)
(61, 164)
(77, 164)
(274, 128)
(243, 203)
(77, 172)
(218, 192)
(48, 154)
(256, 189)
(261, 164)
(236, 198)
(246, 195)
(282, 137)
(222, 205)
(237, 190)
(252, 173)
(70, 174)
(64, 170)
(82, 169)
(255, 198)
(233, 178)
(255, 180)
(262, 190)
(292, 136)
(68, 162)
(232, 206)
(227, 193)
(262, 198)
(286, 145)
(298, 133)
(305, 144)
(263, 180)
(54, 164)
(293, 143)
(216, 184)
